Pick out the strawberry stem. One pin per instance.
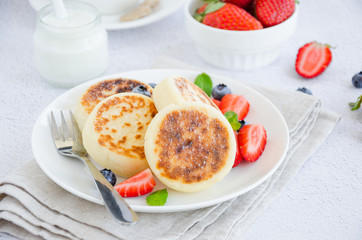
(213, 6)
(198, 17)
(330, 46)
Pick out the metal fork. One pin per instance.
(68, 142)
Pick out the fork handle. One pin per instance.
(114, 202)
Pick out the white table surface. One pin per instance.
(324, 201)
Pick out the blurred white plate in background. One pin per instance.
(112, 22)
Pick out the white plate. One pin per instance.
(73, 176)
(112, 22)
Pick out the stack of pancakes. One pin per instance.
(178, 132)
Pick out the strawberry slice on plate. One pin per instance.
(217, 102)
(312, 59)
(238, 157)
(252, 140)
(236, 103)
(137, 185)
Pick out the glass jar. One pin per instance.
(71, 50)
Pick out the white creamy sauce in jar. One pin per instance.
(72, 50)
(75, 18)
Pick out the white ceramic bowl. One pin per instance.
(238, 50)
(114, 6)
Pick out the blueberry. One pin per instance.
(357, 80)
(243, 123)
(109, 175)
(142, 90)
(219, 91)
(305, 90)
(153, 85)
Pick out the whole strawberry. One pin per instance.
(273, 12)
(226, 16)
(245, 4)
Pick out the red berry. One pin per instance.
(137, 185)
(245, 4)
(252, 140)
(227, 16)
(273, 12)
(238, 157)
(312, 59)
(236, 103)
(217, 102)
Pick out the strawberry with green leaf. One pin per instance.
(226, 16)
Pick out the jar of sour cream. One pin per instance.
(71, 50)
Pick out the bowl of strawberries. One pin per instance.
(240, 34)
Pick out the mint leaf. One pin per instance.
(204, 82)
(232, 117)
(357, 104)
(157, 198)
(235, 126)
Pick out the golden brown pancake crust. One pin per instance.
(191, 146)
(129, 104)
(104, 89)
(191, 92)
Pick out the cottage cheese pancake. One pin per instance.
(113, 134)
(177, 90)
(190, 146)
(101, 90)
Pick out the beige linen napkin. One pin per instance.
(33, 207)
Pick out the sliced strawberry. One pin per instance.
(252, 140)
(236, 103)
(217, 102)
(137, 185)
(312, 59)
(238, 157)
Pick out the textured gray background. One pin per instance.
(322, 202)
